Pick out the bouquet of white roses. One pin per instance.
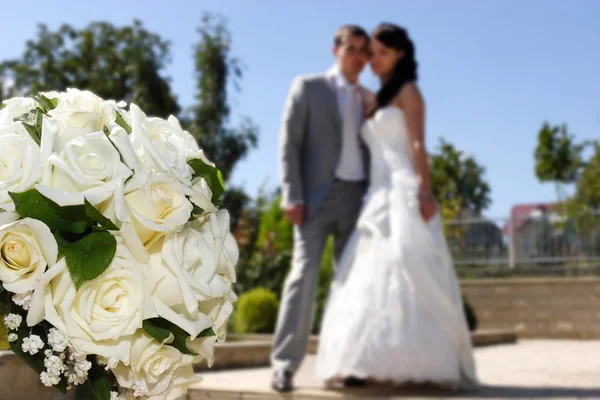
(115, 263)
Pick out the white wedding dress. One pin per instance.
(394, 311)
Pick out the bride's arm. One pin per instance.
(411, 102)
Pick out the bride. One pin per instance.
(394, 311)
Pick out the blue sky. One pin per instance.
(491, 71)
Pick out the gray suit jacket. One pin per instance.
(311, 141)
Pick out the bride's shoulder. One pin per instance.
(409, 97)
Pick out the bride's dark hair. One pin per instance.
(405, 70)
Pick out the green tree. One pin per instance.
(235, 200)
(216, 72)
(3, 90)
(127, 63)
(588, 184)
(259, 265)
(268, 252)
(245, 237)
(584, 207)
(274, 225)
(558, 158)
(456, 178)
(119, 63)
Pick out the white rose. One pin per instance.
(220, 306)
(27, 247)
(20, 164)
(191, 145)
(14, 108)
(164, 372)
(204, 347)
(193, 151)
(197, 269)
(187, 266)
(216, 232)
(188, 255)
(202, 195)
(121, 141)
(52, 94)
(154, 203)
(7, 217)
(81, 112)
(89, 165)
(160, 146)
(104, 313)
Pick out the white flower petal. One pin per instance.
(192, 324)
(27, 249)
(61, 197)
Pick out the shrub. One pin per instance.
(268, 239)
(256, 311)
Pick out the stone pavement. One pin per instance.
(528, 369)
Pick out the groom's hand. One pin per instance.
(295, 213)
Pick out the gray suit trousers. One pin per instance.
(337, 216)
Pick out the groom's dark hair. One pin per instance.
(349, 30)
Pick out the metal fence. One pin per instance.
(544, 242)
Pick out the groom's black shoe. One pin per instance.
(282, 381)
(354, 382)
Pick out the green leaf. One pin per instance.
(122, 123)
(207, 333)
(27, 118)
(73, 219)
(179, 335)
(39, 119)
(97, 387)
(158, 333)
(107, 133)
(96, 217)
(29, 121)
(196, 212)
(89, 257)
(33, 205)
(4, 343)
(4, 311)
(212, 175)
(33, 133)
(49, 104)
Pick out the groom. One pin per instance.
(324, 171)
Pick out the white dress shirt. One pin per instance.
(350, 166)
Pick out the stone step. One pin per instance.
(528, 369)
(19, 381)
(248, 351)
